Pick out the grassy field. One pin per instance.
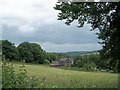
(50, 77)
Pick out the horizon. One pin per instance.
(54, 51)
(71, 51)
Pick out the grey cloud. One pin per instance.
(61, 34)
(56, 33)
(53, 37)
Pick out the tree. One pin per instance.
(9, 50)
(0, 47)
(104, 16)
(60, 55)
(31, 52)
(51, 57)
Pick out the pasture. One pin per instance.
(50, 77)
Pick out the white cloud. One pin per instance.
(29, 12)
(28, 9)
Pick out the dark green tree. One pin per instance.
(31, 52)
(0, 49)
(9, 51)
(0, 46)
(51, 56)
(104, 16)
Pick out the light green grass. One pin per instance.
(54, 77)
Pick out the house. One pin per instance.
(55, 64)
(62, 62)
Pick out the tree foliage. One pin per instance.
(27, 52)
(19, 79)
(104, 16)
(88, 62)
(31, 52)
(9, 50)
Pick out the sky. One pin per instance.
(36, 21)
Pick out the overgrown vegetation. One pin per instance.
(90, 62)
(20, 79)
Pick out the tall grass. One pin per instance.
(49, 77)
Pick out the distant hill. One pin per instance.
(76, 53)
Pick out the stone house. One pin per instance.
(62, 62)
(55, 64)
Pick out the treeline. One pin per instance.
(27, 52)
(33, 53)
(93, 62)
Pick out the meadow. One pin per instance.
(50, 77)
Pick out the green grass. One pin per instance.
(51, 77)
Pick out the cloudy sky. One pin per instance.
(36, 21)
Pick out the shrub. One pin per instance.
(12, 79)
(46, 61)
(89, 66)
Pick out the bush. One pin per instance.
(46, 61)
(12, 79)
(89, 66)
(79, 63)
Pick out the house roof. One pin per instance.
(55, 63)
(62, 59)
(58, 63)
